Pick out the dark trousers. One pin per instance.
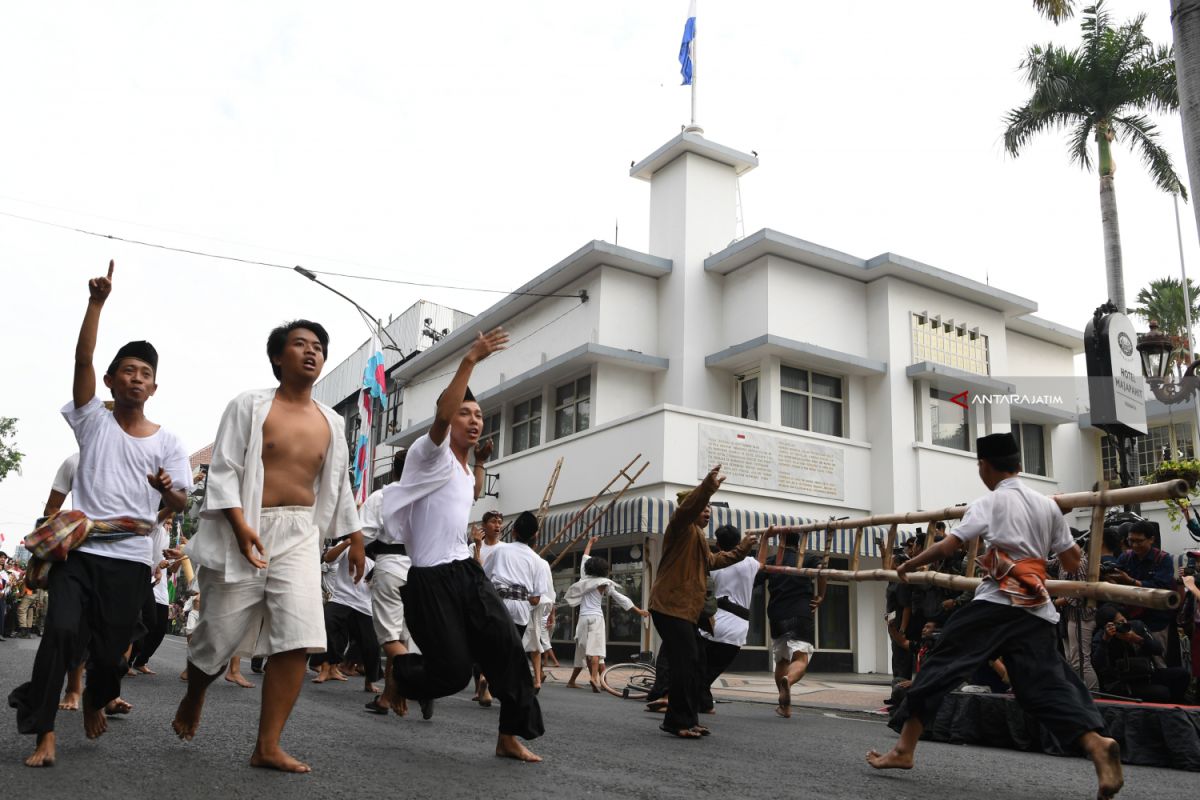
(344, 625)
(717, 658)
(1044, 683)
(680, 645)
(3, 613)
(457, 618)
(154, 620)
(94, 605)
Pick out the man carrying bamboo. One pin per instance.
(1011, 616)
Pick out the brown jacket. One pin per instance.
(679, 587)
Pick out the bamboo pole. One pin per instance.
(590, 503)
(1095, 543)
(603, 512)
(1167, 490)
(858, 536)
(1112, 592)
(890, 546)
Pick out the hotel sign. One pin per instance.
(1116, 389)
(767, 461)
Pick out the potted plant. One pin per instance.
(1179, 510)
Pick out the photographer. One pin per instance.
(1123, 654)
(1189, 612)
(1146, 565)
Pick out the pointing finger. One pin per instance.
(110, 268)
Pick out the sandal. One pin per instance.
(682, 733)
(373, 706)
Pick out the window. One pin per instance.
(948, 424)
(1160, 443)
(949, 344)
(1032, 440)
(491, 430)
(527, 424)
(811, 401)
(833, 615)
(747, 400)
(572, 407)
(394, 406)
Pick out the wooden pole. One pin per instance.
(1128, 595)
(601, 515)
(889, 547)
(590, 503)
(1167, 490)
(1096, 541)
(858, 536)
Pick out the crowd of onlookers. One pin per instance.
(22, 610)
(1125, 651)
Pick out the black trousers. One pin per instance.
(94, 605)
(717, 658)
(1044, 683)
(680, 645)
(154, 620)
(344, 625)
(457, 618)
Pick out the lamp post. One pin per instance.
(1155, 349)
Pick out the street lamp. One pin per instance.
(1156, 349)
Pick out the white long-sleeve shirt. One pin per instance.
(235, 480)
(588, 593)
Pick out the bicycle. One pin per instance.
(631, 680)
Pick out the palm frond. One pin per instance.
(1080, 142)
(1055, 10)
(1144, 136)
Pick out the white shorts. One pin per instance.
(387, 608)
(589, 639)
(276, 611)
(537, 637)
(783, 648)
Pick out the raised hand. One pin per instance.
(160, 482)
(714, 476)
(100, 288)
(483, 450)
(486, 344)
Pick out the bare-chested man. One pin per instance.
(258, 544)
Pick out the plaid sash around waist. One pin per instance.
(513, 591)
(63, 531)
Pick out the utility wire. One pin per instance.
(273, 265)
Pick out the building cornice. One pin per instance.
(811, 354)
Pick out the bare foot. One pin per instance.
(391, 696)
(891, 760)
(572, 685)
(94, 721)
(117, 707)
(337, 675)
(70, 702)
(277, 759)
(239, 680)
(1106, 756)
(43, 755)
(370, 687)
(129, 673)
(510, 747)
(784, 709)
(145, 670)
(187, 717)
(320, 678)
(183, 676)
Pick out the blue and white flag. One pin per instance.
(685, 49)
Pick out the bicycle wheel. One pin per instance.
(628, 681)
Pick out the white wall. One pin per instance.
(812, 305)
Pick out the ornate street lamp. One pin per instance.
(1156, 349)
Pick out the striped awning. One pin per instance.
(649, 515)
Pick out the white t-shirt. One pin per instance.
(111, 478)
(1022, 523)
(372, 527)
(485, 549)
(343, 589)
(737, 583)
(159, 543)
(64, 479)
(434, 525)
(517, 565)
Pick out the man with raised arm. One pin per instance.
(277, 485)
(128, 467)
(452, 609)
(1011, 617)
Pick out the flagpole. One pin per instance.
(694, 75)
(1187, 315)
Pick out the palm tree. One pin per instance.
(1097, 91)
(1185, 28)
(1162, 301)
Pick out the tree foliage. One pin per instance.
(10, 456)
(1162, 301)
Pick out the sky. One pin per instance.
(476, 144)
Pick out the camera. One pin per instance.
(1124, 627)
(1109, 567)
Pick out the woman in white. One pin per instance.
(588, 594)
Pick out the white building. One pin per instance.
(823, 382)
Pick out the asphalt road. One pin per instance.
(595, 746)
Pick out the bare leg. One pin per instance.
(593, 663)
(187, 716)
(95, 723)
(574, 674)
(70, 700)
(552, 658)
(1105, 754)
(784, 708)
(284, 676)
(43, 755)
(902, 753)
(538, 677)
(391, 696)
(485, 695)
(508, 746)
(234, 674)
